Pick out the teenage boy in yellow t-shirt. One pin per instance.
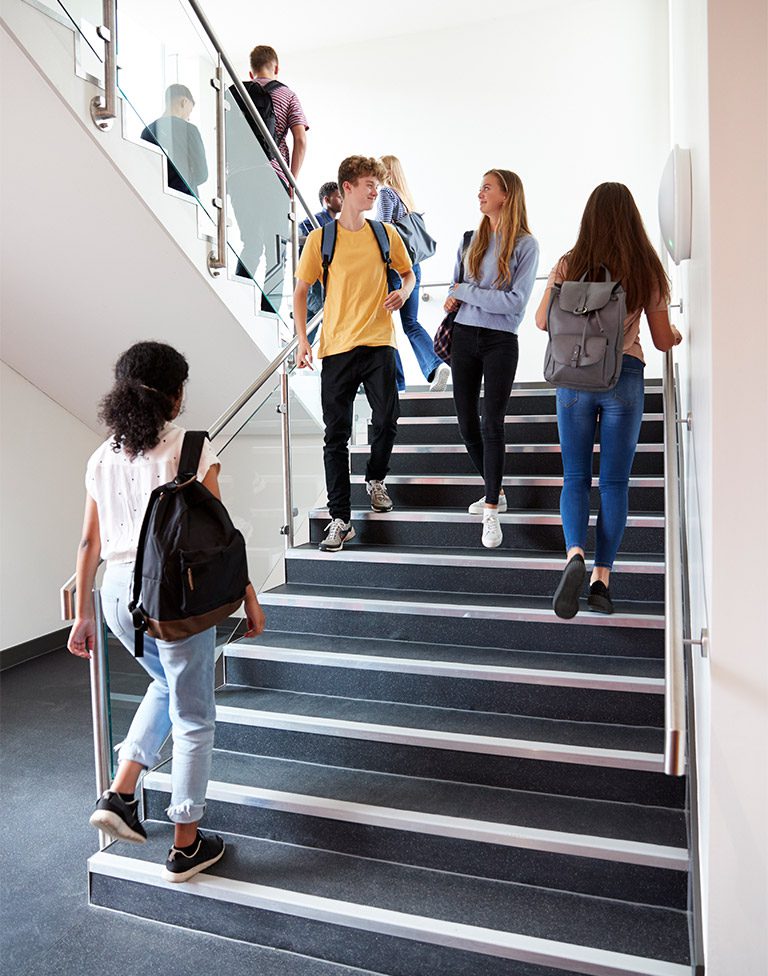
(357, 341)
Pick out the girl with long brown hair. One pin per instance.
(611, 236)
(394, 201)
(499, 272)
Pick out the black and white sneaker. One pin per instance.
(118, 818)
(185, 862)
(337, 533)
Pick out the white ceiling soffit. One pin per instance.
(309, 25)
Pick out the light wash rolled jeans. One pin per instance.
(180, 700)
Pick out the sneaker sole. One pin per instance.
(115, 826)
(186, 875)
(565, 602)
(478, 508)
(350, 535)
(600, 607)
(375, 508)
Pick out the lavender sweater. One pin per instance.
(490, 307)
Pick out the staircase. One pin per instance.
(419, 770)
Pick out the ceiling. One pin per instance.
(241, 25)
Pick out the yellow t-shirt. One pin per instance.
(354, 313)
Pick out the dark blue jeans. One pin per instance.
(619, 413)
(417, 335)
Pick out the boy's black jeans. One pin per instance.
(374, 367)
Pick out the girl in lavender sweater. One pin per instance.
(499, 272)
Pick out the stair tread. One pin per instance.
(590, 735)
(640, 930)
(493, 600)
(493, 805)
(410, 650)
(451, 513)
(355, 547)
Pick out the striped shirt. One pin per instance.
(288, 112)
(389, 206)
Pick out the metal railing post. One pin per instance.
(294, 238)
(104, 108)
(285, 431)
(217, 260)
(674, 661)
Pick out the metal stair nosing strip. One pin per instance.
(440, 825)
(459, 559)
(515, 418)
(519, 391)
(448, 669)
(585, 960)
(638, 520)
(561, 752)
(642, 448)
(540, 481)
(327, 601)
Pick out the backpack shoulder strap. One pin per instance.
(327, 247)
(382, 239)
(468, 235)
(272, 85)
(191, 451)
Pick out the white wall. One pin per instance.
(44, 450)
(568, 94)
(720, 110)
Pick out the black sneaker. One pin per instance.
(118, 818)
(565, 602)
(600, 598)
(185, 863)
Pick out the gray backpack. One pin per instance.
(585, 323)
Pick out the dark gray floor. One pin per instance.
(46, 773)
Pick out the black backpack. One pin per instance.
(191, 570)
(328, 246)
(261, 97)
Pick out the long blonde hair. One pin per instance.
(513, 224)
(396, 179)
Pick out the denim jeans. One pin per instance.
(180, 700)
(619, 413)
(486, 356)
(342, 374)
(417, 335)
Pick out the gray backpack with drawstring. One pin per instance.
(585, 324)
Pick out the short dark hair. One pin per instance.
(262, 56)
(353, 167)
(174, 92)
(327, 190)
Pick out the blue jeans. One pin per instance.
(417, 335)
(179, 700)
(619, 413)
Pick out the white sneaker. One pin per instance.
(478, 507)
(439, 382)
(492, 537)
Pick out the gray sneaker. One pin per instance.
(336, 534)
(380, 500)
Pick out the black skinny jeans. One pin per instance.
(374, 367)
(486, 356)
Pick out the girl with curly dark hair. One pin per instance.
(141, 453)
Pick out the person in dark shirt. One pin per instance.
(180, 140)
(331, 201)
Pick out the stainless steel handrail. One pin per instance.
(674, 660)
(217, 260)
(229, 414)
(102, 753)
